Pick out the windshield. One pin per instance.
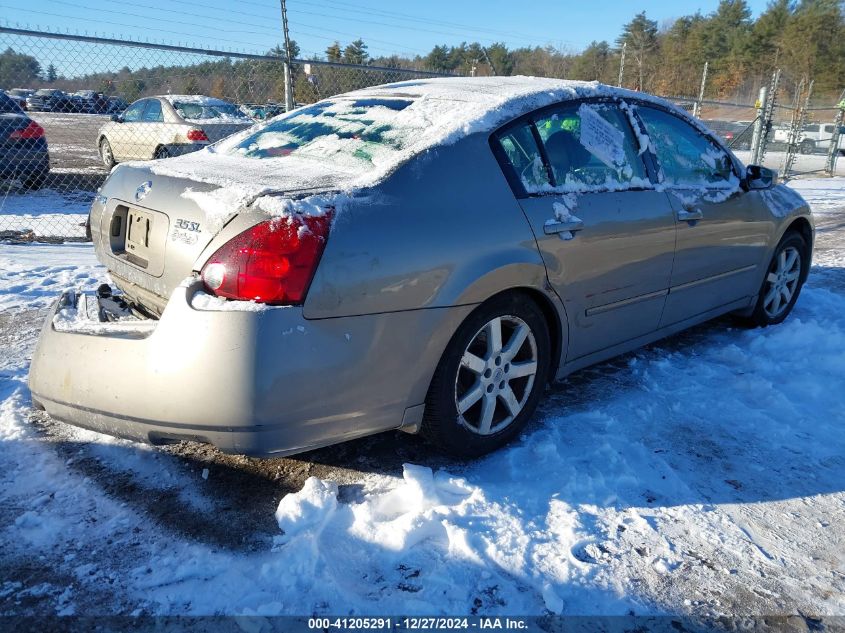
(358, 133)
(44, 92)
(205, 111)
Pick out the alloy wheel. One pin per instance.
(782, 282)
(496, 375)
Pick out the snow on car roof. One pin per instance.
(442, 111)
(195, 99)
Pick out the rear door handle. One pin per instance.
(690, 216)
(552, 227)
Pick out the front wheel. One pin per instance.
(490, 378)
(807, 147)
(107, 154)
(161, 152)
(783, 282)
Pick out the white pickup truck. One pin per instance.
(814, 138)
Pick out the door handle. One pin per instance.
(551, 227)
(690, 216)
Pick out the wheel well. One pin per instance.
(551, 316)
(803, 228)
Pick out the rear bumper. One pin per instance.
(258, 383)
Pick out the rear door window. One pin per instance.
(153, 112)
(687, 157)
(590, 146)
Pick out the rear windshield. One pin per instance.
(358, 133)
(8, 105)
(207, 111)
(46, 92)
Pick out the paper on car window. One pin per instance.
(601, 138)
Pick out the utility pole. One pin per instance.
(487, 57)
(696, 108)
(288, 75)
(622, 65)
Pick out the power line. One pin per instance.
(129, 26)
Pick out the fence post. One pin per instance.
(622, 65)
(757, 135)
(796, 128)
(833, 149)
(288, 75)
(696, 108)
(759, 152)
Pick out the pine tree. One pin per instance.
(333, 53)
(640, 36)
(356, 53)
(52, 75)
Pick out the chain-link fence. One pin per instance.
(89, 102)
(787, 129)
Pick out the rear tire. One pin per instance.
(783, 282)
(107, 154)
(488, 384)
(807, 147)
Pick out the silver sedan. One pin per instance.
(424, 256)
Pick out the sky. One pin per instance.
(387, 26)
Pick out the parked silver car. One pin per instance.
(423, 256)
(159, 127)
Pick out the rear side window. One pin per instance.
(153, 112)
(520, 147)
(686, 156)
(590, 146)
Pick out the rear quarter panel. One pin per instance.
(443, 230)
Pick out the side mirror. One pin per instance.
(757, 177)
(117, 118)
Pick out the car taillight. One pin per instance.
(33, 130)
(197, 135)
(273, 262)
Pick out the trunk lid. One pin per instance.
(151, 224)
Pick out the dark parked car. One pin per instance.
(262, 111)
(115, 105)
(19, 96)
(23, 148)
(91, 102)
(736, 135)
(48, 100)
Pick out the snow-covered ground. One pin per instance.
(45, 213)
(704, 475)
